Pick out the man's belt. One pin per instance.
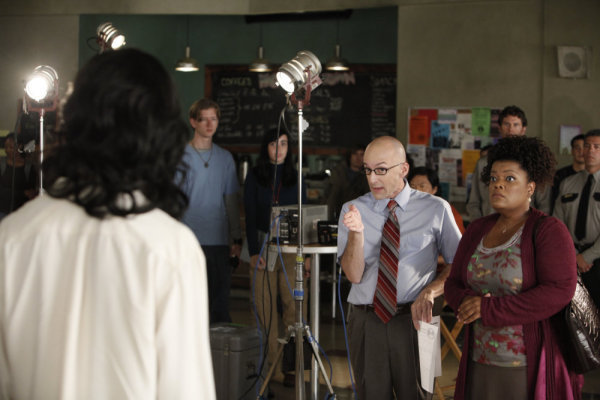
(400, 308)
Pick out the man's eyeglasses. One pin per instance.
(378, 170)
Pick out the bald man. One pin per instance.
(383, 351)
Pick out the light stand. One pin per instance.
(42, 89)
(295, 76)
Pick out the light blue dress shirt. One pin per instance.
(427, 228)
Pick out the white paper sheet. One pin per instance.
(429, 352)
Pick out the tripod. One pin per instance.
(300, 331)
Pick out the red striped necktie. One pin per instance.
(384, 300)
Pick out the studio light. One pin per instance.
(42, 84)
(337, 63)
(42, 88)
(109, 37)
(295, 73)
(260, 64)
(187, 64)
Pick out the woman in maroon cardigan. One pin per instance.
(506, 292)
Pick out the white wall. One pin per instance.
(570, 101)
(475, 54)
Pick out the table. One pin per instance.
(315, 271)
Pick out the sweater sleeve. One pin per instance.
(555, 276)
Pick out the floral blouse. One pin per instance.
(497, 271)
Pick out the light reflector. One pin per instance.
(293, 74)
(42, 83)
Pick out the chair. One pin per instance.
(450, 344)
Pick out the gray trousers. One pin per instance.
(384, 357)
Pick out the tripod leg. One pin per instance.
(282, 343)
(315, 351)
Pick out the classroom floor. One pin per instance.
(333, 343)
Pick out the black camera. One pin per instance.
(288, 227)
(328, 232)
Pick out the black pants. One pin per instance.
(218, 271)
(591, 279)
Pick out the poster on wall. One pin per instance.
(418, 130)
(567, 132)
(448, 139)
(418, 154)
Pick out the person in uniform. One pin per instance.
(578, 206)
(571, 169)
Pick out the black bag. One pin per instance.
(583, 326)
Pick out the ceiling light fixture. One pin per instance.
(337, 63)
(187, 64)
(260, 64)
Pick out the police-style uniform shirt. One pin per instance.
(478, 204)
(427, 228)
(567, 205)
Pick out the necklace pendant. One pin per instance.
(205, 164)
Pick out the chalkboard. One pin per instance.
(346, 109)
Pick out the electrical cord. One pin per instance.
(267, 328)
(264, 353)
(311, 337)
(345, 333)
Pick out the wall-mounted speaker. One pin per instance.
(574, 61)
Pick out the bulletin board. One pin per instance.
(448, 139)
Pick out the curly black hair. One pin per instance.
(122, 134)
(531, 153)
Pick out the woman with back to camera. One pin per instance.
(272, 182)
(508, 292)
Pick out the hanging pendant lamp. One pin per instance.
(187, 64)
(337, 63)
(260, 64)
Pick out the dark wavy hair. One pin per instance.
(122, 133)
(513, 111)
(264, 168)
(531, 153)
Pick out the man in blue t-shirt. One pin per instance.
(212, 187)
